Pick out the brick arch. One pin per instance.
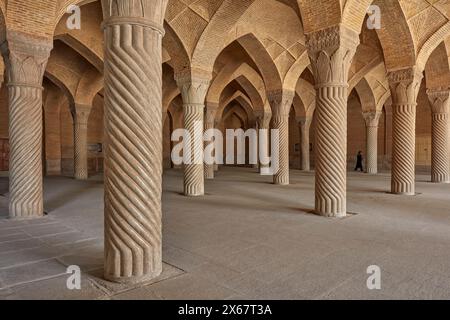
(239, 111)
(179, 58)
(307, 94)
(242, 99)
(89, 86)
(83, 50)
(258, 53)
(437, 69)
(61, 85)
(296, 70)
(395, 36)
(366, 96)
(319, 14)
(209, 46)
(432, 43)
(246, 74)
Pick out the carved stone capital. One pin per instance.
(439, 100)
(331, 52)
(25, 59)
(281, 101)
(148, 13)
(193, 87)
(372, 118)
(82, 113)
(304, 122)
(263, 119)
(405, 85)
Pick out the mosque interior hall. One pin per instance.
(106, 104)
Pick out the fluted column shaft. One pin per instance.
(331, 52)
(404, 86)
(304, 125)
(210, 120)
(281, 102)
(80, 125)
(193, 90)
(440, 160)
(263, 120)
(372, 120)
(133, 137)
(25, 59)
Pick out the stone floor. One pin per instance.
(246, 239)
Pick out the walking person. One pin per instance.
(359, 162)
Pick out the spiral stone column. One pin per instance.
(388, 131)
(211, 112)
(440, 162)
(263, 120)
(304, 126)
(372, 119)
(80, 129)
(25, 60)
(404, 85)
(281, 102)
(133, 32)
(331, 53)
(193, 90)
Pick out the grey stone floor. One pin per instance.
(246, 239)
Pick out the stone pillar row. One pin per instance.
(133, 133)
(210, 123)
(80, 129)
(440, 161)
(372, 119)
(304, 126)
(281, 102)
(404, 85)
(331, 53)
(263, 120)
(26, 59)
(193, 90)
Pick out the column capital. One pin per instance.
(263, 119)
(281, 101)
(331, 52)
(372, 118)
(193, 85)
(439, 100)
(148, 13)
(405, 85)
(82, 113)
(304, 121)
(25, 58)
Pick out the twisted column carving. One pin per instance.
(25, 60)
(372, 119)
(404, 85)
(440, 161)
(331, 53)
(281, 102)
(133, 136)
(211, 112)
(304, 126)
(80, 129)
(193, 91)
(263, 120)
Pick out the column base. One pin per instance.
(134, 280)
(281, 182)
(403, 193)
(193, 193)
(331, 215)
